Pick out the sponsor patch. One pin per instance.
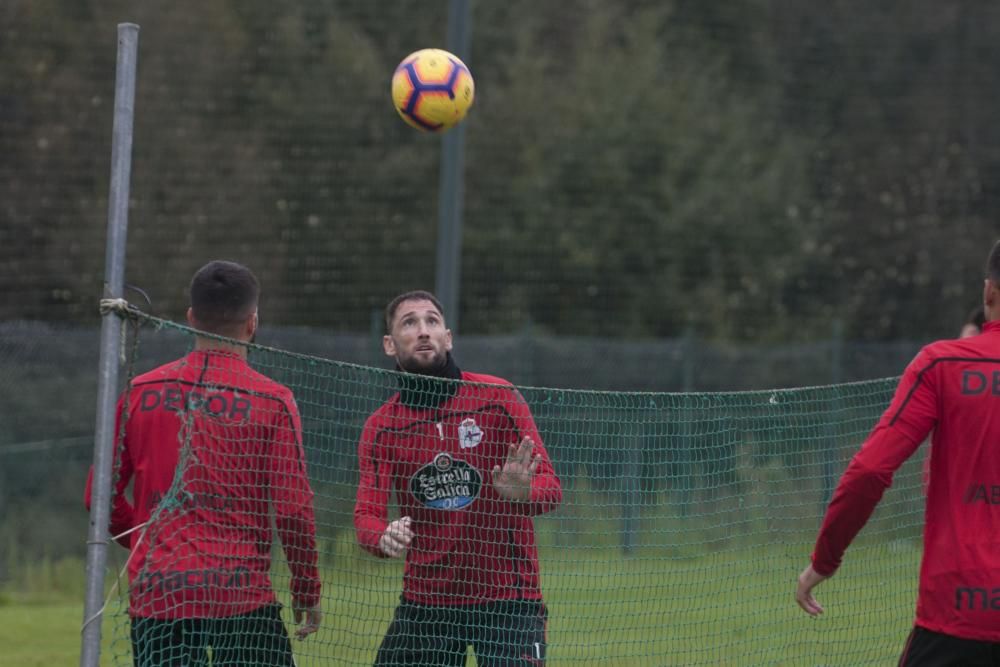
(446, 483)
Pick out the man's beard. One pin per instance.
(433, 366)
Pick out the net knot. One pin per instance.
(118, 306)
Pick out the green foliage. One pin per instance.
(749, 168)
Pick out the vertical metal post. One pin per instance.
(449, 242)
(107, 384)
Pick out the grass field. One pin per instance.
(731, 607)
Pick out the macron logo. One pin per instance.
(971, 599)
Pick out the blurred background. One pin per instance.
(751, 169)
(660, 195)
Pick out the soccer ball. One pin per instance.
(432, 90)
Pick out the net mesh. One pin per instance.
(684, 519)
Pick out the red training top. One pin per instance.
(207, 550)
(952, 387)
(470, 545)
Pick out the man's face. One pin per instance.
(419, 339)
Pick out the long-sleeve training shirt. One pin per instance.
(953, 388)
(470, 545)
(207, 550)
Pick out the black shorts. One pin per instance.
(255, 638)
(926, 648)
(504, 633)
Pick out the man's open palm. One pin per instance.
(513, 481)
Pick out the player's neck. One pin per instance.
(212, 345)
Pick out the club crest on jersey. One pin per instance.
(446, 483)
(469, 434)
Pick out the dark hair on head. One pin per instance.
(415, 295)
(223, 296)
(993, 264)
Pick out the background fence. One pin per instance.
(48, 394)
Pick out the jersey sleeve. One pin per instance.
(904, 425)
(121, 474)
(292, 497)
(546, 489)
(371, 507)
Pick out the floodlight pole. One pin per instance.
(449, 242)
(111, 332)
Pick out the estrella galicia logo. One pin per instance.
(446, 483)
(469, 434)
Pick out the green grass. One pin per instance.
(729, 607)
(39, 635)
(43, 633)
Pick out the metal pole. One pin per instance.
(107, 379)
(449, 242)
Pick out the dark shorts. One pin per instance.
(256, 638)
(504, 633)
(925, 648)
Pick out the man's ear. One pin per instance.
(252, 322)
(447, 339)
(990, 295)
(190, 318)
(389, 346)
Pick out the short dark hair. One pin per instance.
(993, 264)
(223, 296)
(415, 295)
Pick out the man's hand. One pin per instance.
(808, 580)
(513, 481)
(396, 538)
(312, 616)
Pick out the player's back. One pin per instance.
(960, 574)
(200, 435)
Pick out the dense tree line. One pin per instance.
(753, 169)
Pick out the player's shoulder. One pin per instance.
(940, 355)
(491, 388)
(951, 348)
(263, 383)
(170, 371)
(483, 378)
(387, 416)
(386, 410)
(269, 388)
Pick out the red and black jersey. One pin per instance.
(470, 545)
(207, 552)
(953, 388)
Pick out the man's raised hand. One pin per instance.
(513, 481)
(396, 538)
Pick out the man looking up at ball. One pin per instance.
(469, 470)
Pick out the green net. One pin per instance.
(683, 523)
